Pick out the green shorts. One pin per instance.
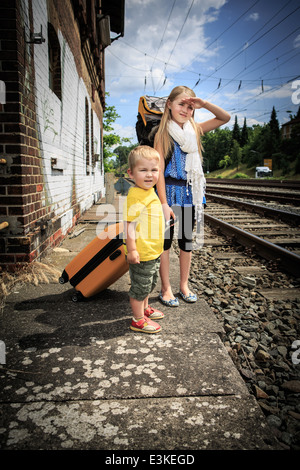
(143, 278)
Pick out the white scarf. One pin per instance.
(187, 140)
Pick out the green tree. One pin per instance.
(244, 134)
(110, 139)
(252, 151)
(274, 126)
(216, 144)
(122, 153)
(225, 162)
(274, 139)
(236, 132)
(236, 154)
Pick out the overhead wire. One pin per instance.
(257, 59)
(225, 31)
(161, 41)
(277, 87)
(270, 61)
(175, 44)
(205, 77)
(228, 60)
(125, 63)
(220, 80)
(265, 92)
(260, 29)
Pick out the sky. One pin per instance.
(241, 55)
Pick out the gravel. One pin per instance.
(262, 336)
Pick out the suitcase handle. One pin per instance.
(115, 255)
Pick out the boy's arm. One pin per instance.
(161, 186)
(133, 256)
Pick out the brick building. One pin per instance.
(52, 98)
(286, 129)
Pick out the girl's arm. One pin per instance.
(161, 186)
(221, 116)
(133, 256)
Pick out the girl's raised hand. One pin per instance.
(196, 102)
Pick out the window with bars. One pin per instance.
(54, 61)
(87, 136)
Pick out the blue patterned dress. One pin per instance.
(177, 191)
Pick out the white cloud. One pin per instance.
(152, 52)
(127, 131)
(253, 17)
(297, 41)
(252, 122)
(151, 47)
(255, 104)
(284, 91)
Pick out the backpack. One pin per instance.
(150, 111)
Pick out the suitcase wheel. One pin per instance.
(77, 297)
(63, 278)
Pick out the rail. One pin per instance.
(291, 184)
(291, 218)
(283, 198)
(286, 259)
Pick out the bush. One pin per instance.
(226, 162)
(240, 175)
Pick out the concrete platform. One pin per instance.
(76, 377)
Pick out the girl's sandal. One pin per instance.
(191, 298)
(169, 303)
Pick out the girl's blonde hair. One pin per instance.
(162, 136)
(142, 151)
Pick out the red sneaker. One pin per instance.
(145, 325)
(153, 313)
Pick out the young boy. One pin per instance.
(144, 232)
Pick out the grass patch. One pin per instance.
(35, 273)
(234, 172)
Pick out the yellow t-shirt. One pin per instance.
(144, 207)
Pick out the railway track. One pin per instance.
(284, 198)
(273, 234)
(255, 293)
(279, 193)
(282, 184)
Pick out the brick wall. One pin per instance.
(50, 126)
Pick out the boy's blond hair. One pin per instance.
(142, 151)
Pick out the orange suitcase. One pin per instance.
(101, 263)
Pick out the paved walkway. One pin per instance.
(76, 376)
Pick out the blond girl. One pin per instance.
(181, 184)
